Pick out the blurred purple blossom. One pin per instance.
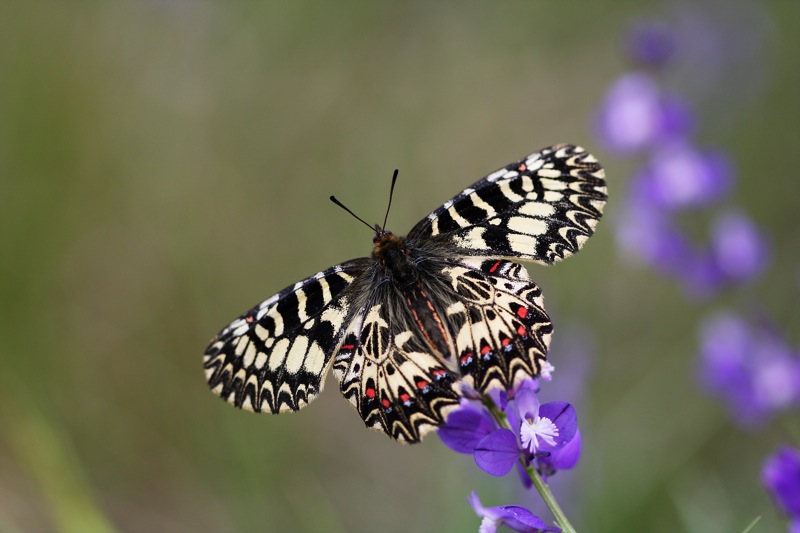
(637, 113)
(650, 43)
(739, 248)
(781, 476)
(512, 516)
(640, 116)
(678, 176)
(749, 367)
(652, 237)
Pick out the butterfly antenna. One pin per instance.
(340, 204)
(391, 193)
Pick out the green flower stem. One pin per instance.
(538, 482)
(549, 499)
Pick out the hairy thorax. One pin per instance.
(393, 256)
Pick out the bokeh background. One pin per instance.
(164, 165)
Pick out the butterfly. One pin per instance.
(443, 308)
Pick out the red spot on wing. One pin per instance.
(405, 398)
(485, 349)
(522, 167)
(522, 312)
(494, 267)
(521, 331)
(370, 393)
(249, 319)
(466, 358)
(505, 342)
(440, 373)
(347, 347)
(421, 384)
(386, 403)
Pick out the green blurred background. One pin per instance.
(166, 165)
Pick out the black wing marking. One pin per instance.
(275, 356)
(500, 328)
(394, 385)
(541, 208)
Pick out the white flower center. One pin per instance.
(537, 428)
(488, 525)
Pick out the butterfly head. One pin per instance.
(391, 252)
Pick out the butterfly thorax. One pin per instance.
(395, 259)
(392, 255)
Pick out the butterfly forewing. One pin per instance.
(275, 356)
(541, 208)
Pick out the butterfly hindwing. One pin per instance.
(275, 356)
(500, 328)
(394, 385)
(541, 208)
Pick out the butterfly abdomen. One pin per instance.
(398, 265)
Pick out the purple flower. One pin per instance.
(651, 236)
(512, 516)
(650, 43)
(636, 113)
(781, 476)
(680, 176)
(740, 250)
(749, 367)
(544, 428)
(539, 430)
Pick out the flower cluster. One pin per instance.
(641, 117)
(507, 430)
(745, 363)
(750, 367)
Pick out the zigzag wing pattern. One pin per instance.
(274, 357)
(500, 328)
(541, 208)
(395, 387)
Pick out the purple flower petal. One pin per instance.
(465, 428)
(567, 457)
(781, 475)
(496, 453)
(637, 113)
(650, 43)
(740, 249)
(564, 417)
(679, 176)
(512, 516)
(527, 383)
(646, 233)
(527, 403)
(499, 397)
(700, 276)
(630, 116)
(775, 373)
(725, 344)
(753, 370)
